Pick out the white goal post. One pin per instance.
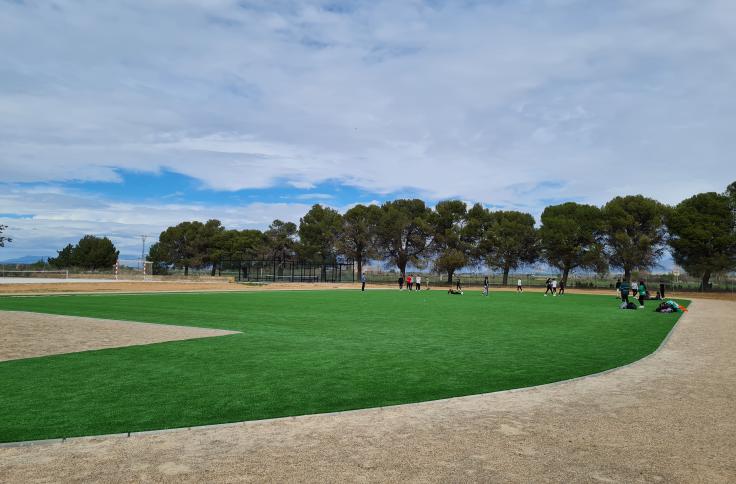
(147, 271)
(37, 274)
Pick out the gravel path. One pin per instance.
(668, 418)
(25, 335)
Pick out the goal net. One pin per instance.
(148, 271)
(35, 274)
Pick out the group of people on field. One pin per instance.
(638, 290)
(412, 283)
(553, 287)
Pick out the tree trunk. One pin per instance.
(450, 273)
(565, 273)
(706, 280)
(506, 271)
(402, 269)
(186, 271)
(359, 251)
(627, 274)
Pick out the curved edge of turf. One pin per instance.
(26, 443)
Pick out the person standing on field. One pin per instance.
(618, 288)
(362, 281)
(562, 288)
(458, 286)
(625, 288)
(548, 283)
(554, 287)
(401, 282)
(408, 282)
(519, 287)
(642, 293)
(419, 283)
(485, 286)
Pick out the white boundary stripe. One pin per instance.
(344, 412)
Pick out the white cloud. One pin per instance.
(53, 219)
(508, 103)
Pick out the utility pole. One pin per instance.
(143, 250)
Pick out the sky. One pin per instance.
(121, 118)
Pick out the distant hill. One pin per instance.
(26, 259)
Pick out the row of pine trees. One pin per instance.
(628, 233)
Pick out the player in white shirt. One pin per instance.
(554, 287)
(418, 282)
(519, 287)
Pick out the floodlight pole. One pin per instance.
(143, 250)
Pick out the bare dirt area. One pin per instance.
(25, 335)
(670, 417)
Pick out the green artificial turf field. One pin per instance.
(307, 352)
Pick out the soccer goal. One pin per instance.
(148, 271)
(35, 274)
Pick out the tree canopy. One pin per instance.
(571, 237)
(453, 239)
(91, 253)
(3, 238)
(508, 240)
(281, 240)
(404, 232)
(182, 245)
(703, 235)
(634, 232)
(319, 230)
(357, 239)
(628, 232)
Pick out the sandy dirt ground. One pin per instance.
(670, 417)
(25, 335)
